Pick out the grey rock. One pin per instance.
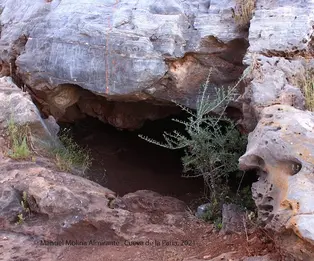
(201, 210)
(273, 80)
(281, 148)
(10, 203)
(233, 219)
(280, 143)
(282, 27)
(52, 126)
(158, 50)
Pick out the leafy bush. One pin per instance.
(19, 140)
(211, 142)
(69, 155)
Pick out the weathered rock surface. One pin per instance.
(123, 50)
(233, 219)
(280, 146)
(10, 203)
(281, 27)
(67, 207)
(273, 80)
(64, 203)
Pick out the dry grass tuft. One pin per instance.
(306, 84)
(19, 140)
(69, 155)
(243, 12)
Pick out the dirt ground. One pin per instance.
(203, 244)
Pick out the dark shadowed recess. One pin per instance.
(125, 163)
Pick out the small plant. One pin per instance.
(244, 198)
(212, 212)
(24, 202)
(306, 84)
(19, 140)
(20, 219)
(218, 223)
(243, 12)
(69, 155)
(26, 209)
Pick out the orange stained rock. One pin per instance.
(278, 175)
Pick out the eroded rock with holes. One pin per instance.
(273, 80)
(122, 50)
(282, 148)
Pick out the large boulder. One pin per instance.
(281, 149)
(65, 210)
(65, 205)
(122, 50)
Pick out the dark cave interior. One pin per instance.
(125, 163)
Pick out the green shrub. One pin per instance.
(212, 143)
(19, 140)
(69, 155)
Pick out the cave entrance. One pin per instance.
(125, 163)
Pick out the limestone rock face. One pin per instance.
(273, 149)
(280, 145)
(123, 50)
(281, 26)
(281, 148)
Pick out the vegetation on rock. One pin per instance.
(243, 12)
(212, 144)
(19, 140)
(306, 84)
(69, 155)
